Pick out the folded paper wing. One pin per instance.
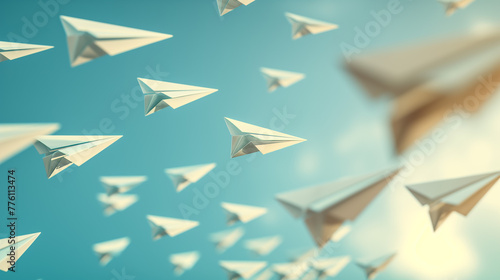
(117, 202)
(107, 250)
(373, 268)
(22, 243)
(263, 246)
(184, 261)
(184, 176)
(279, 78)
(241, 213)
(302, 26)
(120, 184)
(226, 239)
(162, 226)
(13, 50)
(226, 6)
(241, 269)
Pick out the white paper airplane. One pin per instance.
(159, 95)
(241, 213)
(453, 195)
(117, 202)
(241, 269)
(61, 151)
(184, 261)
(325, 208)
(279, 78)
(107, 250)
(452, 6)
(247, 139)
(13, 50)
(88, 40)
(290, 271)
(330, 267)
(226, 6)
(184, 176)
(263, 246)
(120, 184)
(226, 239)
(16, 137)
(162, 226)
(373, 268)
(302, 26)
(22, 243)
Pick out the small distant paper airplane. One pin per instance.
(22, 243)
(325, 208)
(226, 239)
(247, 139)
(117, 202)
(61, 151)
(241, 269)
(184, 176)
(302, 26)
(88, 40)
(159, 95)
(330, 267)
(453, 195)
(16, 137)
(279, 78)
(290, 271)
(226, 6)
(452, 6)
(373, 268)
(184, 261)
(263, 246)
(107, 250)
(241, 213)
(13, 50)
(121, 184)
(162, 226)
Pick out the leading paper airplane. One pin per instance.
(279, 78)
(226, 6)
(16, 137)
(117, 202)
(452, 6)
(22, 243)
(302, 26)
(453, 195)
(373, 268)
(241, 269)
(226, 239)
(88, 40)
(325, 208)
(241, 213)
(107, 250)
(329, 267)
(162, 226)
(263, 246)
(247, 139)
(120, 184)
(13, 50)
(61, 151)
(184, 261)
(159, 95)
(184, 176)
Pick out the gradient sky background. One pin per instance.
(347, 132)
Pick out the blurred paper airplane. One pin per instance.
(279, 78)
(88, 40)
(263, 246)
(329, 267)
(267, 274)
(373, 268)
(61, 151)
(325, 208)
(117, 202)
(453, 195)
(290, 271)
(452, 6)
(184, 261)
(247, 139)
(13, 50)
(302, 26)
(162, 226)
(22, 243)
(184, 176)
(16, 137)
(241, 269)
(159, 95)
(121, 184)
(226, 239)
(241, 213)
(226, 6)
(109, 249)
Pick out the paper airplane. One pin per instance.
(184, 261)
(430, 80)
(302, 26)
(88, 40)
(22, 243)
(184, 176)
(61, 151)
(226, 239)
(162, 226)
(247, 139)
(263, 246)
(241, 213)
(107, 250)
(325, 208)
(330, 267)
(159, 95)
(13, 50)
(120, 184)
(279, 78)
(241, 269)
(16, 137)
(453, 195)
(373, 268)
(452, 6)
(117, 202)
(290, 271)
(226, 6)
